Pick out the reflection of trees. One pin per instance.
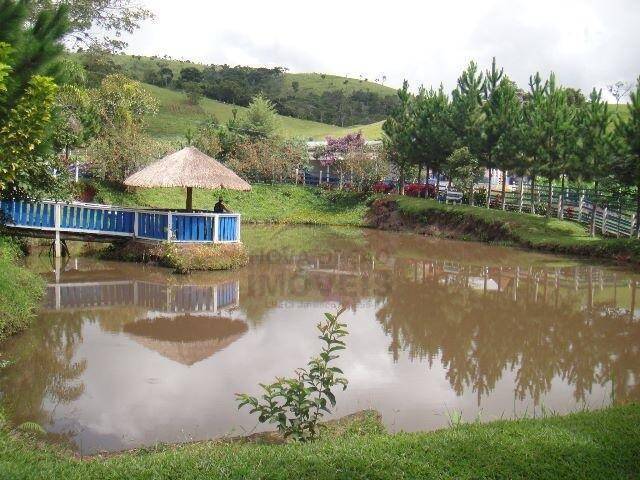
(44, 368)
(539, 331)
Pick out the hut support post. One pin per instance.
(189, 199)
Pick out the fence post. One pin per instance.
(521, 194)
(169, 226)
(580, 205)
(604, 220)
(216, 229)
(57, 220)
(633, 225)
(135, 224)
(320, 178)
(560, 206)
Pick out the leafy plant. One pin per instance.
(31, 427)
(297, 404)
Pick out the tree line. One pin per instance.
(239, 85)
(549, 133)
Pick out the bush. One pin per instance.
(296, 405)
(419, 190)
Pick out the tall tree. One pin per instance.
(597, 149)
(466, 111)
(531, 132)
(502, 111)
(628, 130)
(554, 123)
(434, 134)
(28, 51)
(399, 135)
(260, 119)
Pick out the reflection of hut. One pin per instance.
(186, 339)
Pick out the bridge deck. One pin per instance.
(93, 222)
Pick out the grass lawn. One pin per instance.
(527, 229)
(596, 445)
(176, 116)
(286, 204)
(20, 290)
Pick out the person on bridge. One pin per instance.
(220, 207)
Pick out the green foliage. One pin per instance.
(296, 405)
(20, 291)
(31, 428)
(267, 160)
(463, 168)
(27, 51)
(259, 120)
(97, 23)
(399, 140)
(121, 146)
(628, 131)
(308, 96)
(433, 131)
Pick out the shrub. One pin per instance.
(297, 404)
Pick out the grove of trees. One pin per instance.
(548, 133)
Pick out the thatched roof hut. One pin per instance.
(188, 168)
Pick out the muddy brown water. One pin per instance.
(123, 355)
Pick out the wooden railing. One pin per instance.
(111, 221)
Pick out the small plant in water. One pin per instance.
(296, 405)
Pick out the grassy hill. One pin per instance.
(176, 116)
(136, 66)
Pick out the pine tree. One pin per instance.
(399, 140)
(434, 134)
(466, 111)
(502, 111)
(596, 145)
(28, 52)
(628, 168)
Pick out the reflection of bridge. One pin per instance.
(153, 296)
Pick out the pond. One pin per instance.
(124, 355)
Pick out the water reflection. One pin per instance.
(124, 355)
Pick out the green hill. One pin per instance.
(176, 116)
(136, 66)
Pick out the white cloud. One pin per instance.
(587, 43)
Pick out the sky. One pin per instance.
(588, 43)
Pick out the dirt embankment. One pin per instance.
(385, 215)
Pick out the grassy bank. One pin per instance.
(20, 290)
(182, 258)
(285, 204)
(176, 116)
(533, 231)
(601, 444)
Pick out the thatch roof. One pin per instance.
(186, 339)
(189, 168)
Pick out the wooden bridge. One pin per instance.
(93, 222)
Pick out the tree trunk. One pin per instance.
(419, 173)
(533, 189)
(594, 209)
(549, 197)
(189, 199)
(401, 185)
(489, 189)
(561, 201)
(504, 190)
(471, 193)
(426, 181)
(520, 193)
